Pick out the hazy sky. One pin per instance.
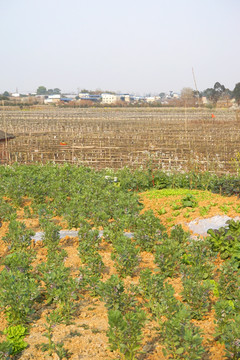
(130, 46)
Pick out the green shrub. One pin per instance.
(125, 256)
(113, 294)
(18, 293)
(88, 280)
(149, 231)
(19, 261)
(6, 210)
(229, 281)
(51, 236)
(60, 288)
(196, 294)
(18, 237)
(231, 338)
(167, 257)
(224, 312)
(157, 294)
(125, 332)
(226, 240)
(181, 338)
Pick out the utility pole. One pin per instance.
(195, 83)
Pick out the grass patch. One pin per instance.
(159, 194)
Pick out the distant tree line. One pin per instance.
(190, 97)
(219, 91)
(42, 90)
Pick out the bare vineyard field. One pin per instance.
(103, 137)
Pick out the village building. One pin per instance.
(110, 98)
(52, 99)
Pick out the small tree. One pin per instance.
(236, 93)
(56, 91)
(41, 90)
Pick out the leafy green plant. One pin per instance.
(196, 294)
(178, 234)
(61, 352)
(162, 211)
(53, 347)
(176, 213)
(197, 260)
(157, 294)
(224, 208)
(19, 261)
(113, 231)
(18, 293)
(94, 263)
(18, 237)
(43, 211)
(5, 350)
(125, 256)
(231, 338)
(237, 208)
(149, 231)
(226, 240)
(213, 203)
(204, 210)
(176, 206)
(51, 236)
(167, 257)
(6, 210)
(186, 215)
(60, 287)
(15, 338)
(73, 213)
(88, 280)
(182, 339)
(89, 240)
(50, 346)
(189, 201)
(27, 212)
(224, 312)
(229, 281)
(125, 331)
(112, 292)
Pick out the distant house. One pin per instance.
(15, 95)
(52, 99)
(110, 98)
(125, 97)
(4, 138)
(83, 96)
(152, 99)
(90, 97)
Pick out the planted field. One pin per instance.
(158, 295)
(168, 138)
(180, 206)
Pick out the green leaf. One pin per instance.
(180, 351)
